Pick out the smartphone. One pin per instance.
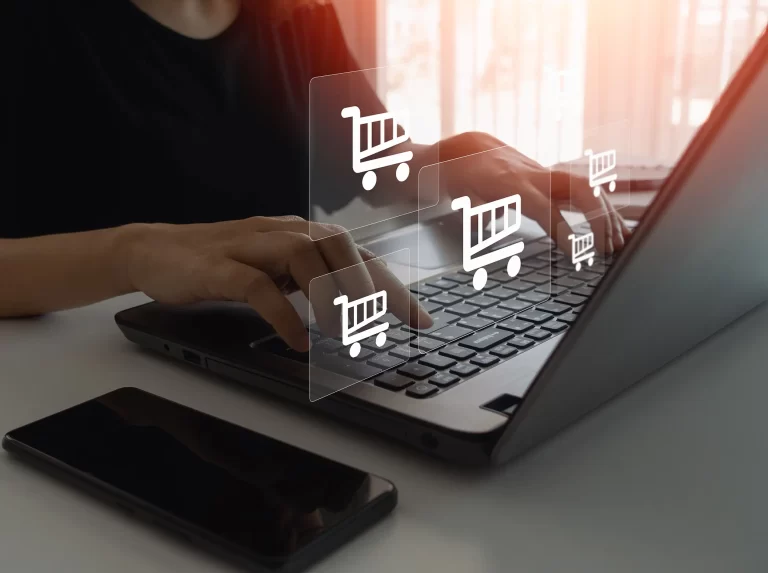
(263, 503)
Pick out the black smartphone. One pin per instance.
(267, 505)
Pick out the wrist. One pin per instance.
(125, 248)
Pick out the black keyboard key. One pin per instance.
(328, 346)
(462, 309)
(551, 290)
(346, 367)
(475, 323)
(431, 306)
(392, 381)
(595, 282)
(416, 371)
(464, 291)
(495, 313)
(385, 361)
(501, 293)
(538, 334)
(554, 326)
(584, 275)
(465, 369)
(421, 390)
(445, 299)
(569, 318)
(399, 336)
(557, 272)
(406, 352)
(577, 309)
(485, 360)
(535, 264)
(537, 279)
(598, 268)
(486, 339)
(364, 355)
(458, 278)
(501, 276)
(567, 282)
(586, 291)
(554, 307)
(516, 326)
(504, 351)
(520, 343)
(437, 362)
(450, 333)
(391, 319)
(370, 344)
(443, 379)
(457, 352)
(441, 284)
(425, 290)
(571, 299)
(520, 286)
(535, 316)
(482, 301)
(439, 320)
(533, 297)
(516, 305)
(427, 344)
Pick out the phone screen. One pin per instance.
(265, 496)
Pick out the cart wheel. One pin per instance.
(596, 191)
(591, 261)
(381, 338)
(578, 267)
(480, 278)
(403, 170)
(513, 266)
(354, 350)
(612, 186)
(369, 180)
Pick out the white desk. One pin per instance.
(669, 478)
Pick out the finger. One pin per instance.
(401, 301)
(539, 207)
(596, 212)
(616, 232)
(235, 281)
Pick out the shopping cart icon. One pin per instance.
(360, 163)
(359, 313)
(582, 249)
(473, 217)
(600, 167)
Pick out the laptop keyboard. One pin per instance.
(472, 331)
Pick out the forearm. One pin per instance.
(56, 272)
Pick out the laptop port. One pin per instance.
(192, 357)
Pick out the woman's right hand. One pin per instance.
(259, 261)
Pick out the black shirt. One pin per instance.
(112, 118)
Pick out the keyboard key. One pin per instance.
(500, 293)
(486, 339)
(516, 326)
(537, 278)
(346, 367)
(558, 272)
(585, 291)
(421, 390)
(462, 309)
(450, 333)
(554, 307)
(416, 371)
(538, 334)
(458, 278)
(328, 346)
(569, 318)
(501, 276)
(571, 299)
(595, 282)
(584, 275)
(431, 306)
(495, 313)
(485, 360)
(443, 379)
(370, 344)
(475, 323)
(406, 352)
(516, 305)
(457, 352)
(392, 381)
(445, 299)
(425, 290)
(521, 343)
(520, 286)
(439, 320)
(365, 354)
(504, 351)
(427, 344)
(567, 282)
(437, 362)
(385, 361)
(465, 369)
(391, 319)
(551, 290)
(535, 264)
(535, 316)
(441, 284)
(482, 301)
(533, 297)
(554, 326)
(464, 291)
(399, 336)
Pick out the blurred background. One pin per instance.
(498, 65)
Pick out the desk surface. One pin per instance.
(671, 477)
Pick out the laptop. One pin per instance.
(696, 262)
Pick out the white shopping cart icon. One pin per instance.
(582, 249)
(359, 313)
(473, 217)
(600, 167)
(387, 125)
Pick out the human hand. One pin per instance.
(259, 261)
(504, 171)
